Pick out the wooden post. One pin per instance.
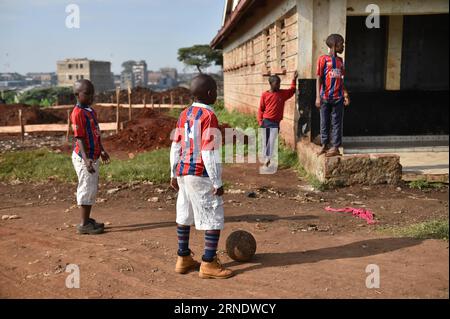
(22, 128)
(159, 107)
(68, 126)
(118, 110)
(129, 104)
(152, 101)
(145, 104)
(171, 99)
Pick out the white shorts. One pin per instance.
(87, 182)
(197, 204)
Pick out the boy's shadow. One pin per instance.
(249, 218)
(357, 249)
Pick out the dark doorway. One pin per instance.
(421, 106)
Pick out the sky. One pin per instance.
(33, 33)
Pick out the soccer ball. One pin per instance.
(241, 245)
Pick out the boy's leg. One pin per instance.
(325, 110)
(85, 214)
(271, 130)
(208, 216)
(185, 218)
(183, 240)
(86, 194)
(211, 242)
(265, 138)
(185, 215)
(337, 120)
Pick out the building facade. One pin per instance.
(98, 72)
(140, 76)
(393, 68)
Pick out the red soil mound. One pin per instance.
(9, 115)
(149, 131)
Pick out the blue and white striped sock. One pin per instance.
(183, 240)
(211, 242)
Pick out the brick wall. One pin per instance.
(247, 67)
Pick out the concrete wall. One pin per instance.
(101, 76)
(98, 72)
(266, 44)
(69, 71)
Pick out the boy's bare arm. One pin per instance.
(89, 162)
(318, 86)
(346, 97)
(104, 155)
(174, 158)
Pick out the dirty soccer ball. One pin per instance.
(241, 245)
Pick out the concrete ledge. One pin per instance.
(350, 169)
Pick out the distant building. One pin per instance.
(140, 74)
(116, 80)
(126, 79)
(165, 78)
(98, 72)
(43, 78)
(153, 77)
(170, 72)
(134, 74)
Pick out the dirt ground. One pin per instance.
(303, 251)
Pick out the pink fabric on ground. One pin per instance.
(362, 213)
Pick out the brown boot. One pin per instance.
(186, 263)
(214, 270)
(333, 152)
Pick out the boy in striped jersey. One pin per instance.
(196, 173)
(87, 150)
(331, 95)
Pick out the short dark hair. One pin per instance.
(274, 78)
(334, 39)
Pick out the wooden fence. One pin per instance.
(111, 126)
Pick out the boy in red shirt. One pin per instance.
(271, 110)
(88, 149)
(331, 95)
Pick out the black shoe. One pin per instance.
(98, 225)
(89, 229)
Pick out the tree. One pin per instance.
(200, 56)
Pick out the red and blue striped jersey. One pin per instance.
(197, 131)
(85, 126)
(331, 70)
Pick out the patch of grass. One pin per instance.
(236, 119)
(433, 229)
(287, 158)
(150, 166)
(37, 165)
(424, 184)
(43, 165)
(311, 179)
(226, 184)
(175, 113)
